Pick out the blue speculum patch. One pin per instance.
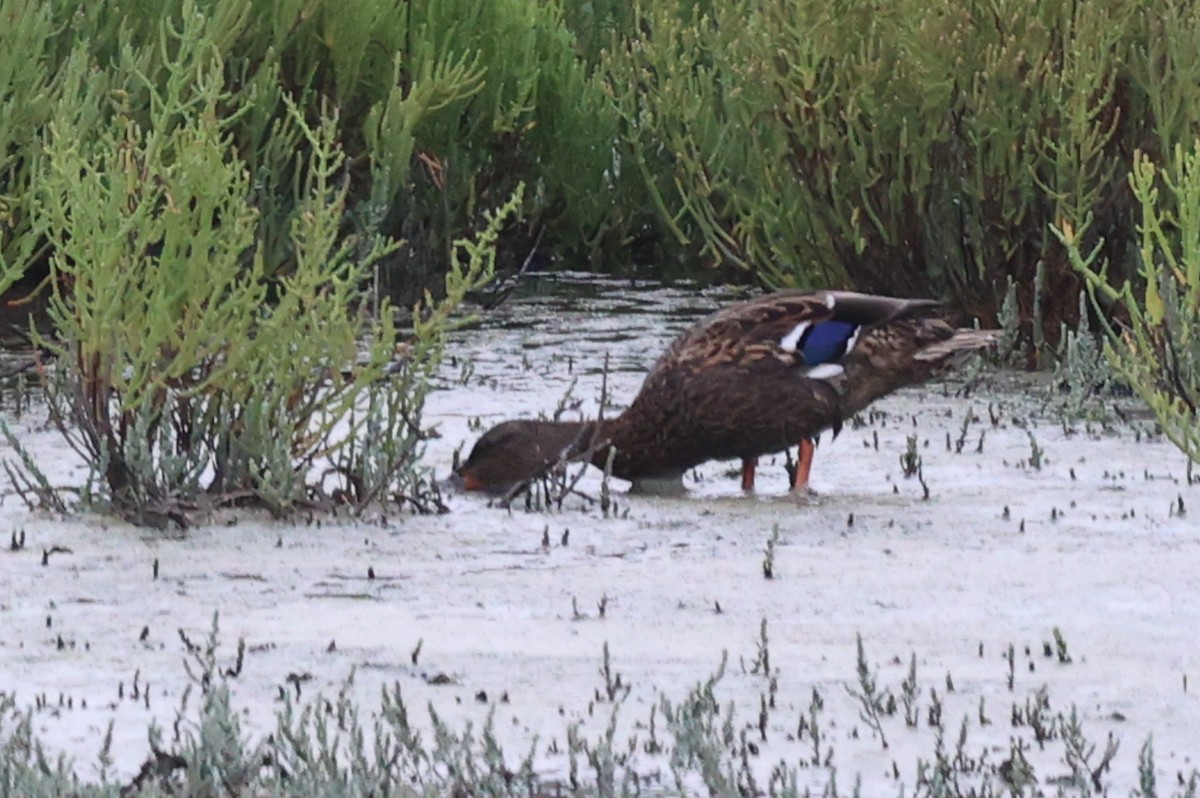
(825, 342)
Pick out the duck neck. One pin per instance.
(575, 440)
(604, 443)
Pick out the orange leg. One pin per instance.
(804, 466)
(748, 465)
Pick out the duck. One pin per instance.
(752, 379)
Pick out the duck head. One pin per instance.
(515, 452)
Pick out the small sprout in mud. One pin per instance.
(575, 614)
(934, 716)
(875, 439)
(370, 572)
(983, 718)
(1036, 453)
(145, 635)
(850, 521)
(332, 647)
(872, 703)
(1060, 647)
(188, 645)
(717, 608)
(1053, 513)
(416, 652)
(652, 746)
(811, 724)
(1006, 514)
(993, 415)
(910, 461)
(1079, 752)
(18, 540)
(1185, 682)
(1071, 471)
(236, 670)
(979, 444)
(762, 659)
(981, 649)
(768, 565)
(924, 484)
(949, 445)
(1016, 772)
(1021, 526)
(1178, 509)
(910, 692)
(962, 433)
(155, 569)
(602, 605)
(54, 550)
(466, 370)
(481, 696)
(949, 682)
(566, 537)
(546, 536)
(612, 681)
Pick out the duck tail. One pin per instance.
(957, 347)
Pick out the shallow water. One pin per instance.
(1003, 551)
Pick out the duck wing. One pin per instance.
(805, 330)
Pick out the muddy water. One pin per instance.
(1033, 523)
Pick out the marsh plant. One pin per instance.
(186, 373)
(443, 106)
(918, 148)
(1156, 350)
(702, 743)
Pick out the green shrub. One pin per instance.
(188, 372)
(1155, 347)
(442, 107)
(906, 147)
(25, 85)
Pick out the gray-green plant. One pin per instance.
(340, 746)
(188, 370)
(871, 700)
(1153, 341)
(768, 564)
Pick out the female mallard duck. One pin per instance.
(752, 379)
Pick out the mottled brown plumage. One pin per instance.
(749, 380)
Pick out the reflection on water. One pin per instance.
(584, 319)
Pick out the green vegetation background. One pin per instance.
(903, 147)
